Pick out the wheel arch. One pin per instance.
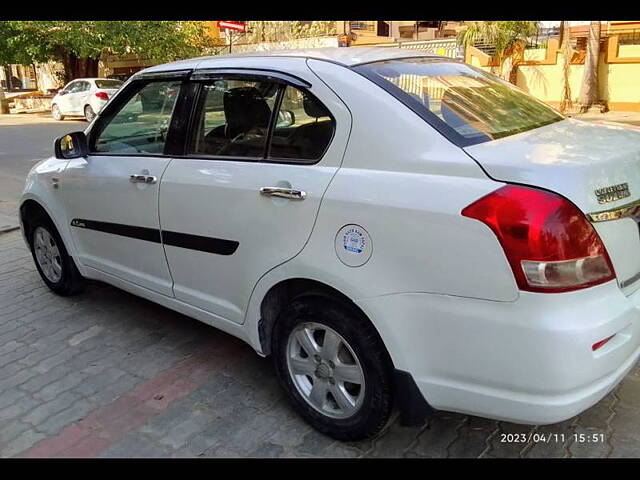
(28, 209)
(282, 292)
(32, 204)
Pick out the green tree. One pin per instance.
(5, 58)
(79, 45)
(277, 31)
(504, 37)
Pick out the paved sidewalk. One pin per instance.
(626, 118)
(107, 374)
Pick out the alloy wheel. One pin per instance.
(47, 254)
(325, 370)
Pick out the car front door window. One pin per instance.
(141, 125)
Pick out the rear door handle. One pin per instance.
(142, 179)
(289, 193)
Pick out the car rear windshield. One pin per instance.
(109, 84)
(464, 103)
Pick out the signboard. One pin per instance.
(231, 25)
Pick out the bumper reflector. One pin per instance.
(601, 343)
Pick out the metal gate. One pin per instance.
(446, 47)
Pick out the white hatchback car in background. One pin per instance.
(83, 97)
(393, 228)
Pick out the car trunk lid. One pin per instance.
(108, 91)
(576, 159)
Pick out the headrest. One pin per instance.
(313, 108)
(244, 109)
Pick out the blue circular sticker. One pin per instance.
(353, 245)
(353, 240)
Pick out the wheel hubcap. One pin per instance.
(325, 370)
(47, 254)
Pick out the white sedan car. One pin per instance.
(392, 228)
(83, 97)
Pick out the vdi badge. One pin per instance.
(353, 245)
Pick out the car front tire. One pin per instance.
(334, 367)
(54, 264)
(56, 113)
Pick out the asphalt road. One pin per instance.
(23, 144)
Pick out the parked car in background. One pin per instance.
(84, 97)
(391, 227)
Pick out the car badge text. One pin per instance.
(613, 193)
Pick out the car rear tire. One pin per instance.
(89, 114)
(334, 367)
(54, 264)
(56, 114)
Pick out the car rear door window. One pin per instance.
(233, 118)
(141, 125)
(303, 130)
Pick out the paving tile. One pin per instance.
(108, 374)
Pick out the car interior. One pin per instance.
(247, 114)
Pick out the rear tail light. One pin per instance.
(548, 241)
(102, 95)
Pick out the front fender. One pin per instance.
(41, 187)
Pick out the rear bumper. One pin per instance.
(528, 361)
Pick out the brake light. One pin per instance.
(548, 241)
(102, 95)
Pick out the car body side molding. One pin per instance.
(200, 243)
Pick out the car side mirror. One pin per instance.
(71, 145)
(286, 118)
(62, 92)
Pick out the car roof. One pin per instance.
(346, 56)
(93, 78)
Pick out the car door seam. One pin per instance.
(317, 213)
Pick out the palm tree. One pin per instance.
(504, 37)
(567, 53)
(589, 90)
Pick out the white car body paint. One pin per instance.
(437, 287)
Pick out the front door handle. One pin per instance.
(289, 193)
(142, 179)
